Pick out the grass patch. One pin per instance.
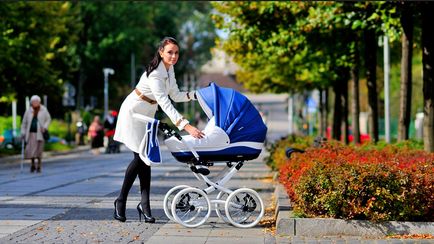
(57, 147)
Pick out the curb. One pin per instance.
(17, 158)
(287, 225)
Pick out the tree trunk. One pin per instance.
(428, 75)
(337, 113)
(406, 81)
(80, 95)
(326, 110)
(323, 98)
(371, 77)
(355, 100)
(345, 109)
(321, 129)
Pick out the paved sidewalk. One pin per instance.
(254, 175)
(72, 201)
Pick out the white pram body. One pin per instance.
(215, 146)
(234, 134)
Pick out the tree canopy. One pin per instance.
(44, 45)
(284, 46)
(36, 47)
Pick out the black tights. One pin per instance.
(137, 167)
(33, 162)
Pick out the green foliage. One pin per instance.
(125, 28)
(6, 123)
(57, 147)
(36, 49)
(277, 155)
(287, 46)
(280, 45)
(404, 145)
(87, 117)
(59, 128)
(4, 152)
(43, 45)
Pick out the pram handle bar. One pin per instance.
(165, 128)
(171, 132)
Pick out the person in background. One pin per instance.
(109, 128)
(154, 88)
(96, 135)
(36, 120)
(81, 132)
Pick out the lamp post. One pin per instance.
(386, 51)
(107, 72)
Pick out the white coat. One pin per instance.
(158, 86)
(44, 120)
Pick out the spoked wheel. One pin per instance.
(168, 199)
(191, 207)
(244, 208)
(220, 208)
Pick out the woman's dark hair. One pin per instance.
(157, 58)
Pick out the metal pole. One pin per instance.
(107, 72)
(14, 118)
(133, 70)
(27, 102)
(105, 94)
(386, 50)
(22, 155)
(46, 101)
(192, 84)
(290, 115)
(186, 77)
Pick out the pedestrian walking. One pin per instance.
(36, 120)
(154, 88)
(96, 135)
(109, 128)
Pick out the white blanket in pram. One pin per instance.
(215, 137)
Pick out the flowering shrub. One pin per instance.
(392, 183)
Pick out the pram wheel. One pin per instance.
(244, 208)
(191, 207)
(220, 208)
(168, 199)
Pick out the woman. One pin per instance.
(96, 135)
(36, 120)
(154, 88)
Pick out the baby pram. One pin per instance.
(234, 134)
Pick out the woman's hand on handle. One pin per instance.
(194, 132)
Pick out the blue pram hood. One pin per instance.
(233, 112)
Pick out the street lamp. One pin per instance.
(107, 72)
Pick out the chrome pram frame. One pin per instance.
(191, 206)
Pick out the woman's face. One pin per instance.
(170, 54)
(35, 104)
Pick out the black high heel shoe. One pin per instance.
(119, 215)
(148, 219)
